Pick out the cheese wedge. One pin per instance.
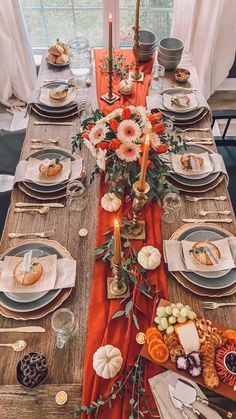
(188, 336)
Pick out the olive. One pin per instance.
(233, 369)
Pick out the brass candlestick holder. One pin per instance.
(136, 75)
(116, 286)
(136, 229)
(110, 97)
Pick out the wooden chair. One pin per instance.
(10, 149)
(226, 146)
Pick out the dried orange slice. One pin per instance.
(154, 336)
(159, 352)
(230, 334)
(153, 343)
(154, 330)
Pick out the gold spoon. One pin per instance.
(18, 346)
(42, 210)
(50, 140)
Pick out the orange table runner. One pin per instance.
(120, 332)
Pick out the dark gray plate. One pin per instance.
(209, 283)
(53, 111)
(190, 181)
(50, 153)
(39, 250)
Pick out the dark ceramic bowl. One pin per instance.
(20, 375)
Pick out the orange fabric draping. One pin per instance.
(120, 332)
(140, 89)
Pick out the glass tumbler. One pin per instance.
(171, 204)
(62, 324)
(157, 81)
(84, 107)
(75, 195)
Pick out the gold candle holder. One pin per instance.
(110, 97)
(135, 229)
(136, 75)
(116, 286)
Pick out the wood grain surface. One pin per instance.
(66, 365)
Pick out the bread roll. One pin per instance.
(63, 59)
(65, 47)
(51, 170)
(203, 257)
(28, 278)
(186, 161)
(57, 94)
(51, 58)
(56, 49)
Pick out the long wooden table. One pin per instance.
(66, 365)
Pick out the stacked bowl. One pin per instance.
(147, 41)
(170, 52)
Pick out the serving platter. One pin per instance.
(47, 303)
(224, 389)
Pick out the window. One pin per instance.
(47, 20)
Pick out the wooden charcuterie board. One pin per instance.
(223, 389)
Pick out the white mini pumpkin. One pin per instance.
(149, 257)
(107, 361)
(110, 202)
(126, 87)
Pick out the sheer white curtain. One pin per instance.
(17, 69)
(208, 30)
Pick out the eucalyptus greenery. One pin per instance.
(120, 69)
(132, 273)
(132, 382)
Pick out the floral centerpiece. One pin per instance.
(116, 142)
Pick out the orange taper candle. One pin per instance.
(117, 244)
(110, 37)
(142, 177)
(137, 14)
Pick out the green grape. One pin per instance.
(172, 319)
(173, 305)
(160, 327)
(179, 305)
(168, 310)
(184, 312)
(161, 312)
(164, 323)
(157, 320)
(182, 319)
(170, 330)
(192, 315)
(175, 312)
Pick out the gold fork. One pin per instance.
(211, 305)
(43, 234)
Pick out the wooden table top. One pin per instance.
(66, 365)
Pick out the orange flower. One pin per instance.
(155, 117)
(159, 128)
(126, 113)
(140, 160)
(103, 145)
(114, 124)
(85, 135)
(90, 126)
(162, 148)
(114, 144)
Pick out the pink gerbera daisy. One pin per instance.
(98, 133)
(128, 130)
(129, 151)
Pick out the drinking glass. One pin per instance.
(157, 81)
(62, 324)
(84, 107)
(75, 195)
(171, 204)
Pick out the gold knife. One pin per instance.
(27, 329)
(49, 204)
